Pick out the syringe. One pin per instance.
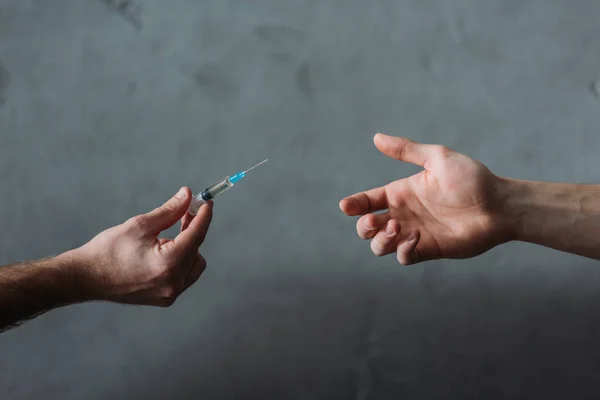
(218, 188)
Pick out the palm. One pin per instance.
(444, 210)
(446, 206)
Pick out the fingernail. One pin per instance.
(390, 231)
(369, 228)
(180, 194)
(412, 237)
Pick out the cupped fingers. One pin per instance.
(407, 252)
(185, 221)
(385, 241)
(365, 202)
(368, 225)
(197, 270)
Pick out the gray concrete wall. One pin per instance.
(102, 118)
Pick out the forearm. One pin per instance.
(562, 216)
(29, 289)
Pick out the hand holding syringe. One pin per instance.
(218, 188)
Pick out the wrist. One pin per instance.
(537, 212)
(75, 269)
(513, 207)
(557, 215)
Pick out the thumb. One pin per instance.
(168, 214)
(404, 149)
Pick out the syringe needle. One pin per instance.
(257, 165)
(218, 188)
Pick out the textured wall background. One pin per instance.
(102, 117)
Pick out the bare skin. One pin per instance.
(454, 208)
(457, 208)
(127, 263)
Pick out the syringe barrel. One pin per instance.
(197, 201)
(209, 194)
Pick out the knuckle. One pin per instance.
(202, 261)
(139, 222)
(166, 277)
(364, 201)
(170, 206)
(164, 271)
(443, 151)
(166, 302)
(169, 294)
(403, 149)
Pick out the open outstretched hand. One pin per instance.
(448, 210)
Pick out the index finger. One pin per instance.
(365, 202)
(404, 149)
(194, 235)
